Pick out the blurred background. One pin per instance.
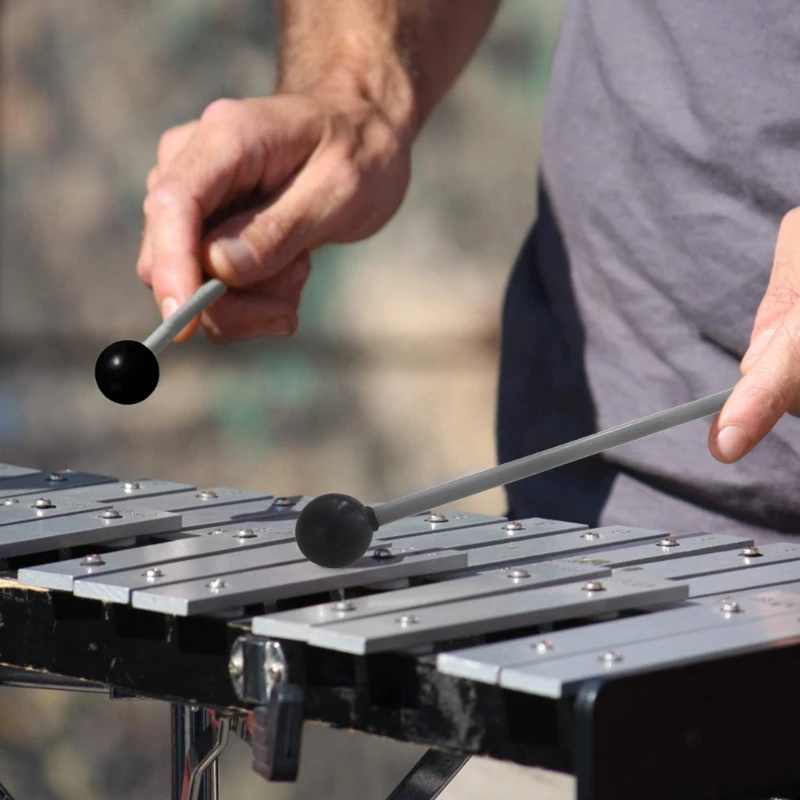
(388, 386)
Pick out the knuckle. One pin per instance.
(769, 402)
(221, 110)
(268, 237)
(348, 181)
(164, 194)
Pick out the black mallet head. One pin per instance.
(335, 530)
(127, 372)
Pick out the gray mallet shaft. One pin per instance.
(170, 328)
(548, 459)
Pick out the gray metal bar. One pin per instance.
(207, 293)
(549, 459)
(493, 614)
(288, 580)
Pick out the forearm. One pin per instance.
(401, 55)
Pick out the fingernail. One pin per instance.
(169, 305)
(232, 253)
(279, 327)
(759, 344)
(732, 442)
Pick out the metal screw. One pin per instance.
(216, 531)
(92, 560)
(12, 501)
(611, 657)
(207, 494)
(246, 533)
(382, 553)
(593, 586)
(131, 486)
(433, 518)
(669, 541)
(56, 477)
(590, 535)
(544, 646)
(406, 620)
(518, 574)
(276, 672)
(43, 502)
(750, 552)
(730, 606)
(283, 501)
(236, 663)
(344, 605)
(514, 525)
(152, 573)
(217, 585)
(110, 513)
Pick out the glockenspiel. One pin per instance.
(649, 663)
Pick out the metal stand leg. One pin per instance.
(430, 775)
(178, 756)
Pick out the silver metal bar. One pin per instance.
(549, 459)
(13, 471)
(207, 293)
(492, 614)
(484, 663)
(44, 482)
(699, 565)
(769, 575)
(208, 542)
(222, 731)
(82, 529)
(556, 546)
(120, 491)
(562, 676)
(289, 580)
(430, 523)
(193, 499)
(28, 508)
(668, 548)
(297, 623)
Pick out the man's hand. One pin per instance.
(248, 191)
(245, 193)
(770, 385)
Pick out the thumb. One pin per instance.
(255, 245)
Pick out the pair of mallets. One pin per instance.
(335, 530)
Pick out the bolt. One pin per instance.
(236, 663)
(207, 494)
(593, 586)
(56, 477)
(152, 573)
(275, 671)
(217, 585)
(43, 502)
(434, 518)
(344, 605)
(216, 531)
(12, 501)
(131, 486)
(246, 533)
(750, 552)
(518, 574)
(542, 647)
(730, 606)
(110, 513)
(92, 560)
(283, 501)
(406, 620)
(590, 535)
(611, 657)
(669, 541)
(382, 553)
(513, 526)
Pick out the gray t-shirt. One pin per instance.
(671, 152)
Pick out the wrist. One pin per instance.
(386, 89)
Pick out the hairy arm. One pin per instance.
(400, 55)
(247, 192)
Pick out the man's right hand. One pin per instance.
(245, 193)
